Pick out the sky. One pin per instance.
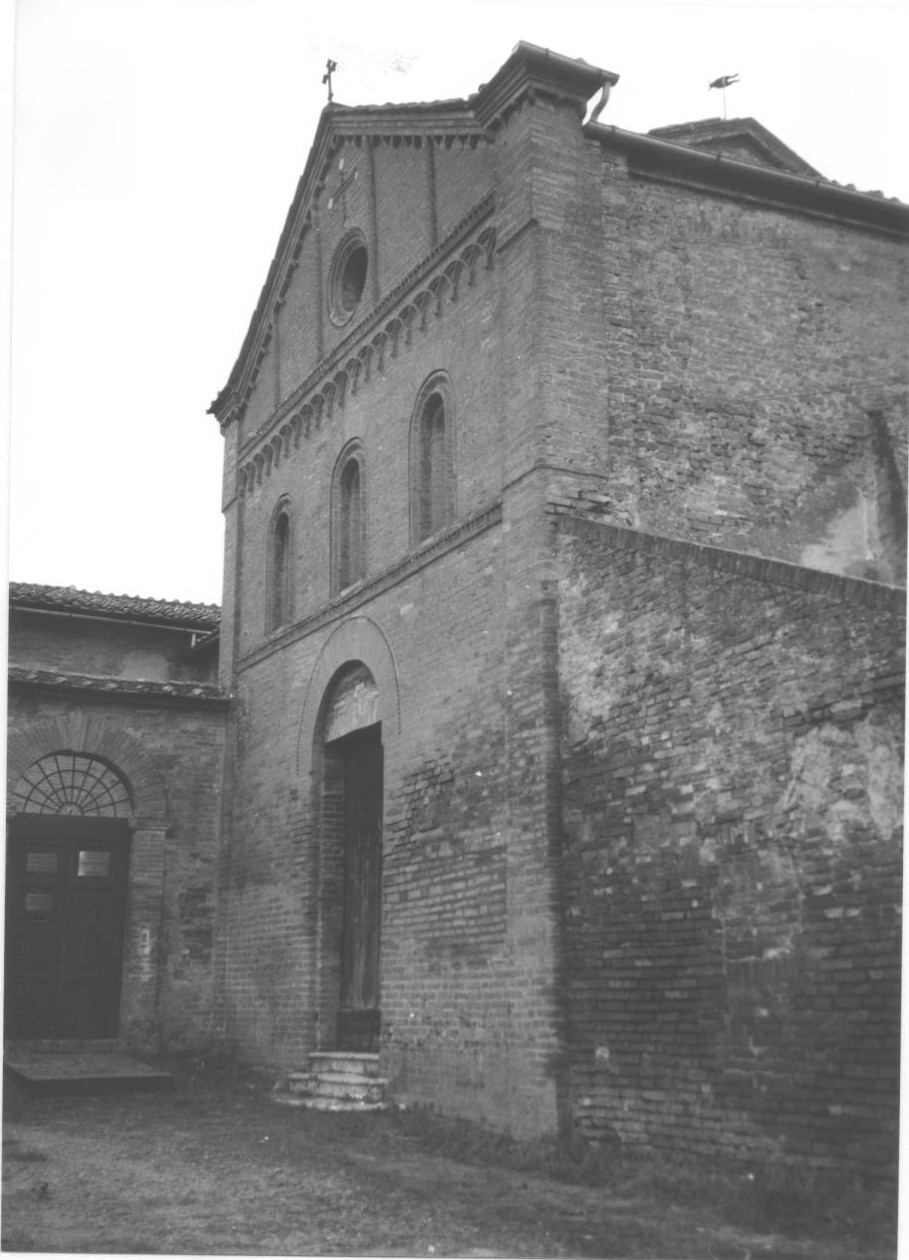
(155, 146)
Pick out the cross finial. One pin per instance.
(330, 67)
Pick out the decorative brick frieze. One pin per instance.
(350, 366)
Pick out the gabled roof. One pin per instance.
(744, 139)
(445, 120)
(529, 69)
(661, 157)
(29, 596)
(745, 159)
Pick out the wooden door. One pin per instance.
(65, 912)
(359, 1018)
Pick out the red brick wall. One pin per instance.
(638, 352)
(459, 341)
(719, 365)
(405, 200)
(471, 916)
(732, 804)
(105, 649)
(462, 175)
(467, 928)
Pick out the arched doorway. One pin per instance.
(352, 797)
(67, 866)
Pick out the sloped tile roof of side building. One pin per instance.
(135, 608)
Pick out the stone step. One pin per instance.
(325, 1104)
(337, 1080)
(347, 1061)
(336, 1085)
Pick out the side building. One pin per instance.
(565, 491)
(116, 740)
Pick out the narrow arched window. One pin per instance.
(432, 485)
(280, 568)
(349, 519)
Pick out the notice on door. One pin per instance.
(39, 862)
(38, 905)
(94, 863)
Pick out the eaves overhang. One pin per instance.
(652, 158)
(24, 680)
(713, 135)
(532, 70)
(134, 610)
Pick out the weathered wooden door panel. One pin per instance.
(65, 911)
(359, 1016)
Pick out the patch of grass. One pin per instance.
(15, 1154)
(815, 1201)
(16, 1240)
(15, 1097)
(214, 1072)
(766, 1198)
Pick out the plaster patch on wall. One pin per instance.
(883, 776)
(147, 665)
(844, 514)
(823, 775)
(587, 672)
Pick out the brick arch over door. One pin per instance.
(93, 736)
(359, 639)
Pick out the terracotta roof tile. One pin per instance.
(117, 607)
(123, 686)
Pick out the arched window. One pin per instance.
(280, 568)
(432, 480)
(349, 518)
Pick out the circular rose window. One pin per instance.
(348, 277)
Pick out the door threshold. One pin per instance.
(85, 1072)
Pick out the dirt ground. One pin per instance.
(214, 1166)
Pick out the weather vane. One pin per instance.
(330, 67)
(724, 81)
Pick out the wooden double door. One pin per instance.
(359, 1016)
(65, 916)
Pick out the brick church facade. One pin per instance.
(563, 627)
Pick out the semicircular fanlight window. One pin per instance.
(72, 784)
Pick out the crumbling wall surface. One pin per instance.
(732, 777)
